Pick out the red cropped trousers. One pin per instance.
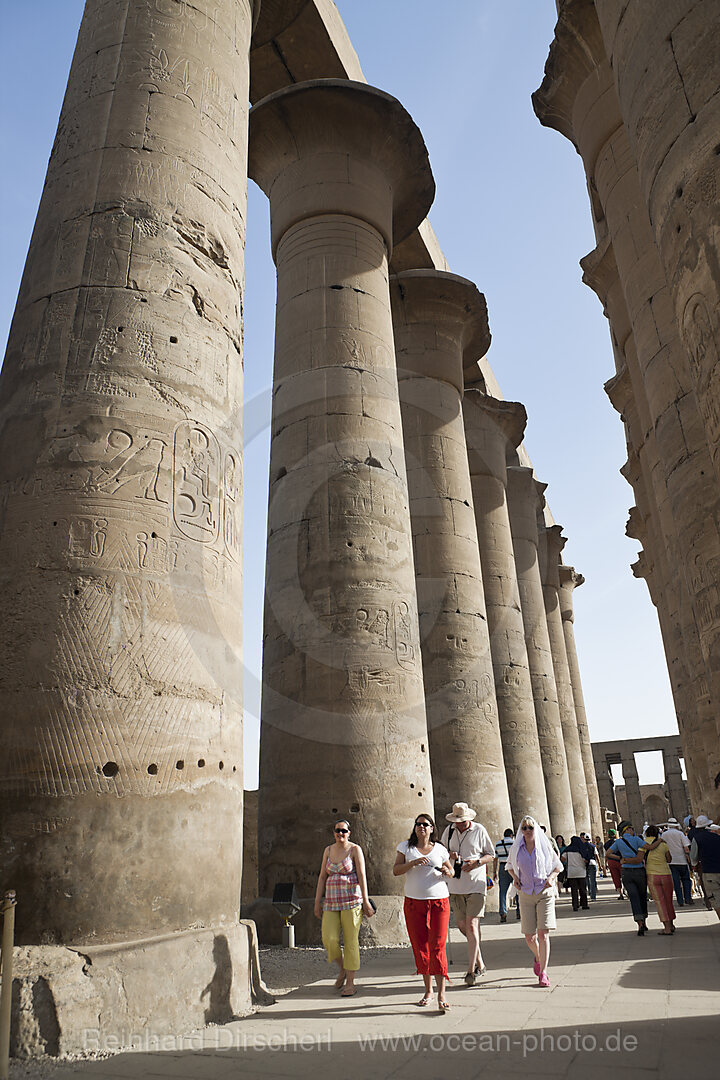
(427, 926)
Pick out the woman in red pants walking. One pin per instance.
(425, 864)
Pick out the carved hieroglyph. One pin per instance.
(440, 324)
(343, 717)
(121, 478)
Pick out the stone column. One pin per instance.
(440, 322)
(492, 427)
(525, 498)
(120, 471)
(570, 580)
(606, 787)
(675, 784)
(633, 798)
(551, 545)
(666, 67)
(343, 716)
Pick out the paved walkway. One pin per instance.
(617, 1003)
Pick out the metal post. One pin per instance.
(8, 937)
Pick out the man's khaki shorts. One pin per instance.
(537, 911)
(467, 905)
(712, 888)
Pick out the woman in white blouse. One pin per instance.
(426, 864)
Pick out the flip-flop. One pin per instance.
(425, 1000)
(349, 991)
(443, 1006)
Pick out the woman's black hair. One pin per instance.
(652, 830)
(560, 840)
(413, 835)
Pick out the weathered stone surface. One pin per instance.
(525, 500)
(570, 580)
(120, 473)
(343, 718)
(551, 543)
(440, 327)
(66, 1001)
(492, 428)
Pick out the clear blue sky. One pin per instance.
(511, 213)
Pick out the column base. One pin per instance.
(145, 993)
(387, 927)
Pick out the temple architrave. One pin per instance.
(418, 637)
(634, 805)
(634, 88)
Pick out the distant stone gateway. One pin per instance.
(418, 614)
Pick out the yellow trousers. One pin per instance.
(349, 921)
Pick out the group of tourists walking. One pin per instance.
(449, 871)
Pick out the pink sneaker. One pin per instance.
(543, 980)
(536, 967)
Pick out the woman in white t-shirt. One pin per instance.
(425, 864)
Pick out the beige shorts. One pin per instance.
(537, 911)
(712, 888)
(467, 905)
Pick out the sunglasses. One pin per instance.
(528, 828)
(341, 830)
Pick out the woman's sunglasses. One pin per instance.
(528, 828)
(423, 825)
(341, 830)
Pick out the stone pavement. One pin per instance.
(617, 1003)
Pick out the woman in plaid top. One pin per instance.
(340, 900)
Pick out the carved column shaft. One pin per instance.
(343, 718)
(120, 470)
(675, 785)
(569, 580)
(606, 788)
(491, 426)
(440, 319)
(633, 797)
(525, 498)
(551, 545)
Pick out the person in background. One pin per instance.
(679, 846)
(613, 865)
(426, 866)
(705, 852)
(599, 848)
(534, 867)
(562, 876)
(592, 865)
(341, 898)
(657, 858)
(471, 849)
(502, 849)
(633, 876)
(575, 859)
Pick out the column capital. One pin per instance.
(441, 325)
(569, 580)
(600, 272)
(552, 543)
(574, 55)
(619, 389)
(492, 427)
(332, 146)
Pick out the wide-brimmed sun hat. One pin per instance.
(702, 821)
(461, 812)
(673, 821)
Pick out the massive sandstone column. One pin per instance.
(492, 427)
(525, 499)
(120, 464)
(551, 545)
(633, 796)
(675, 785)
(570, 580)
(343, 716)
(665, 61)
(440, 324)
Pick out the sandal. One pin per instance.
(424, 1000)
(340, 981)
(443, 1006)
(349, 991)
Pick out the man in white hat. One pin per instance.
(471, 849)
(679, 846)
(705, 852)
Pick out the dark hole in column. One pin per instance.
(152, 769)
(201, 763)
(110, 768)
(221, 765)
(180, 764)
